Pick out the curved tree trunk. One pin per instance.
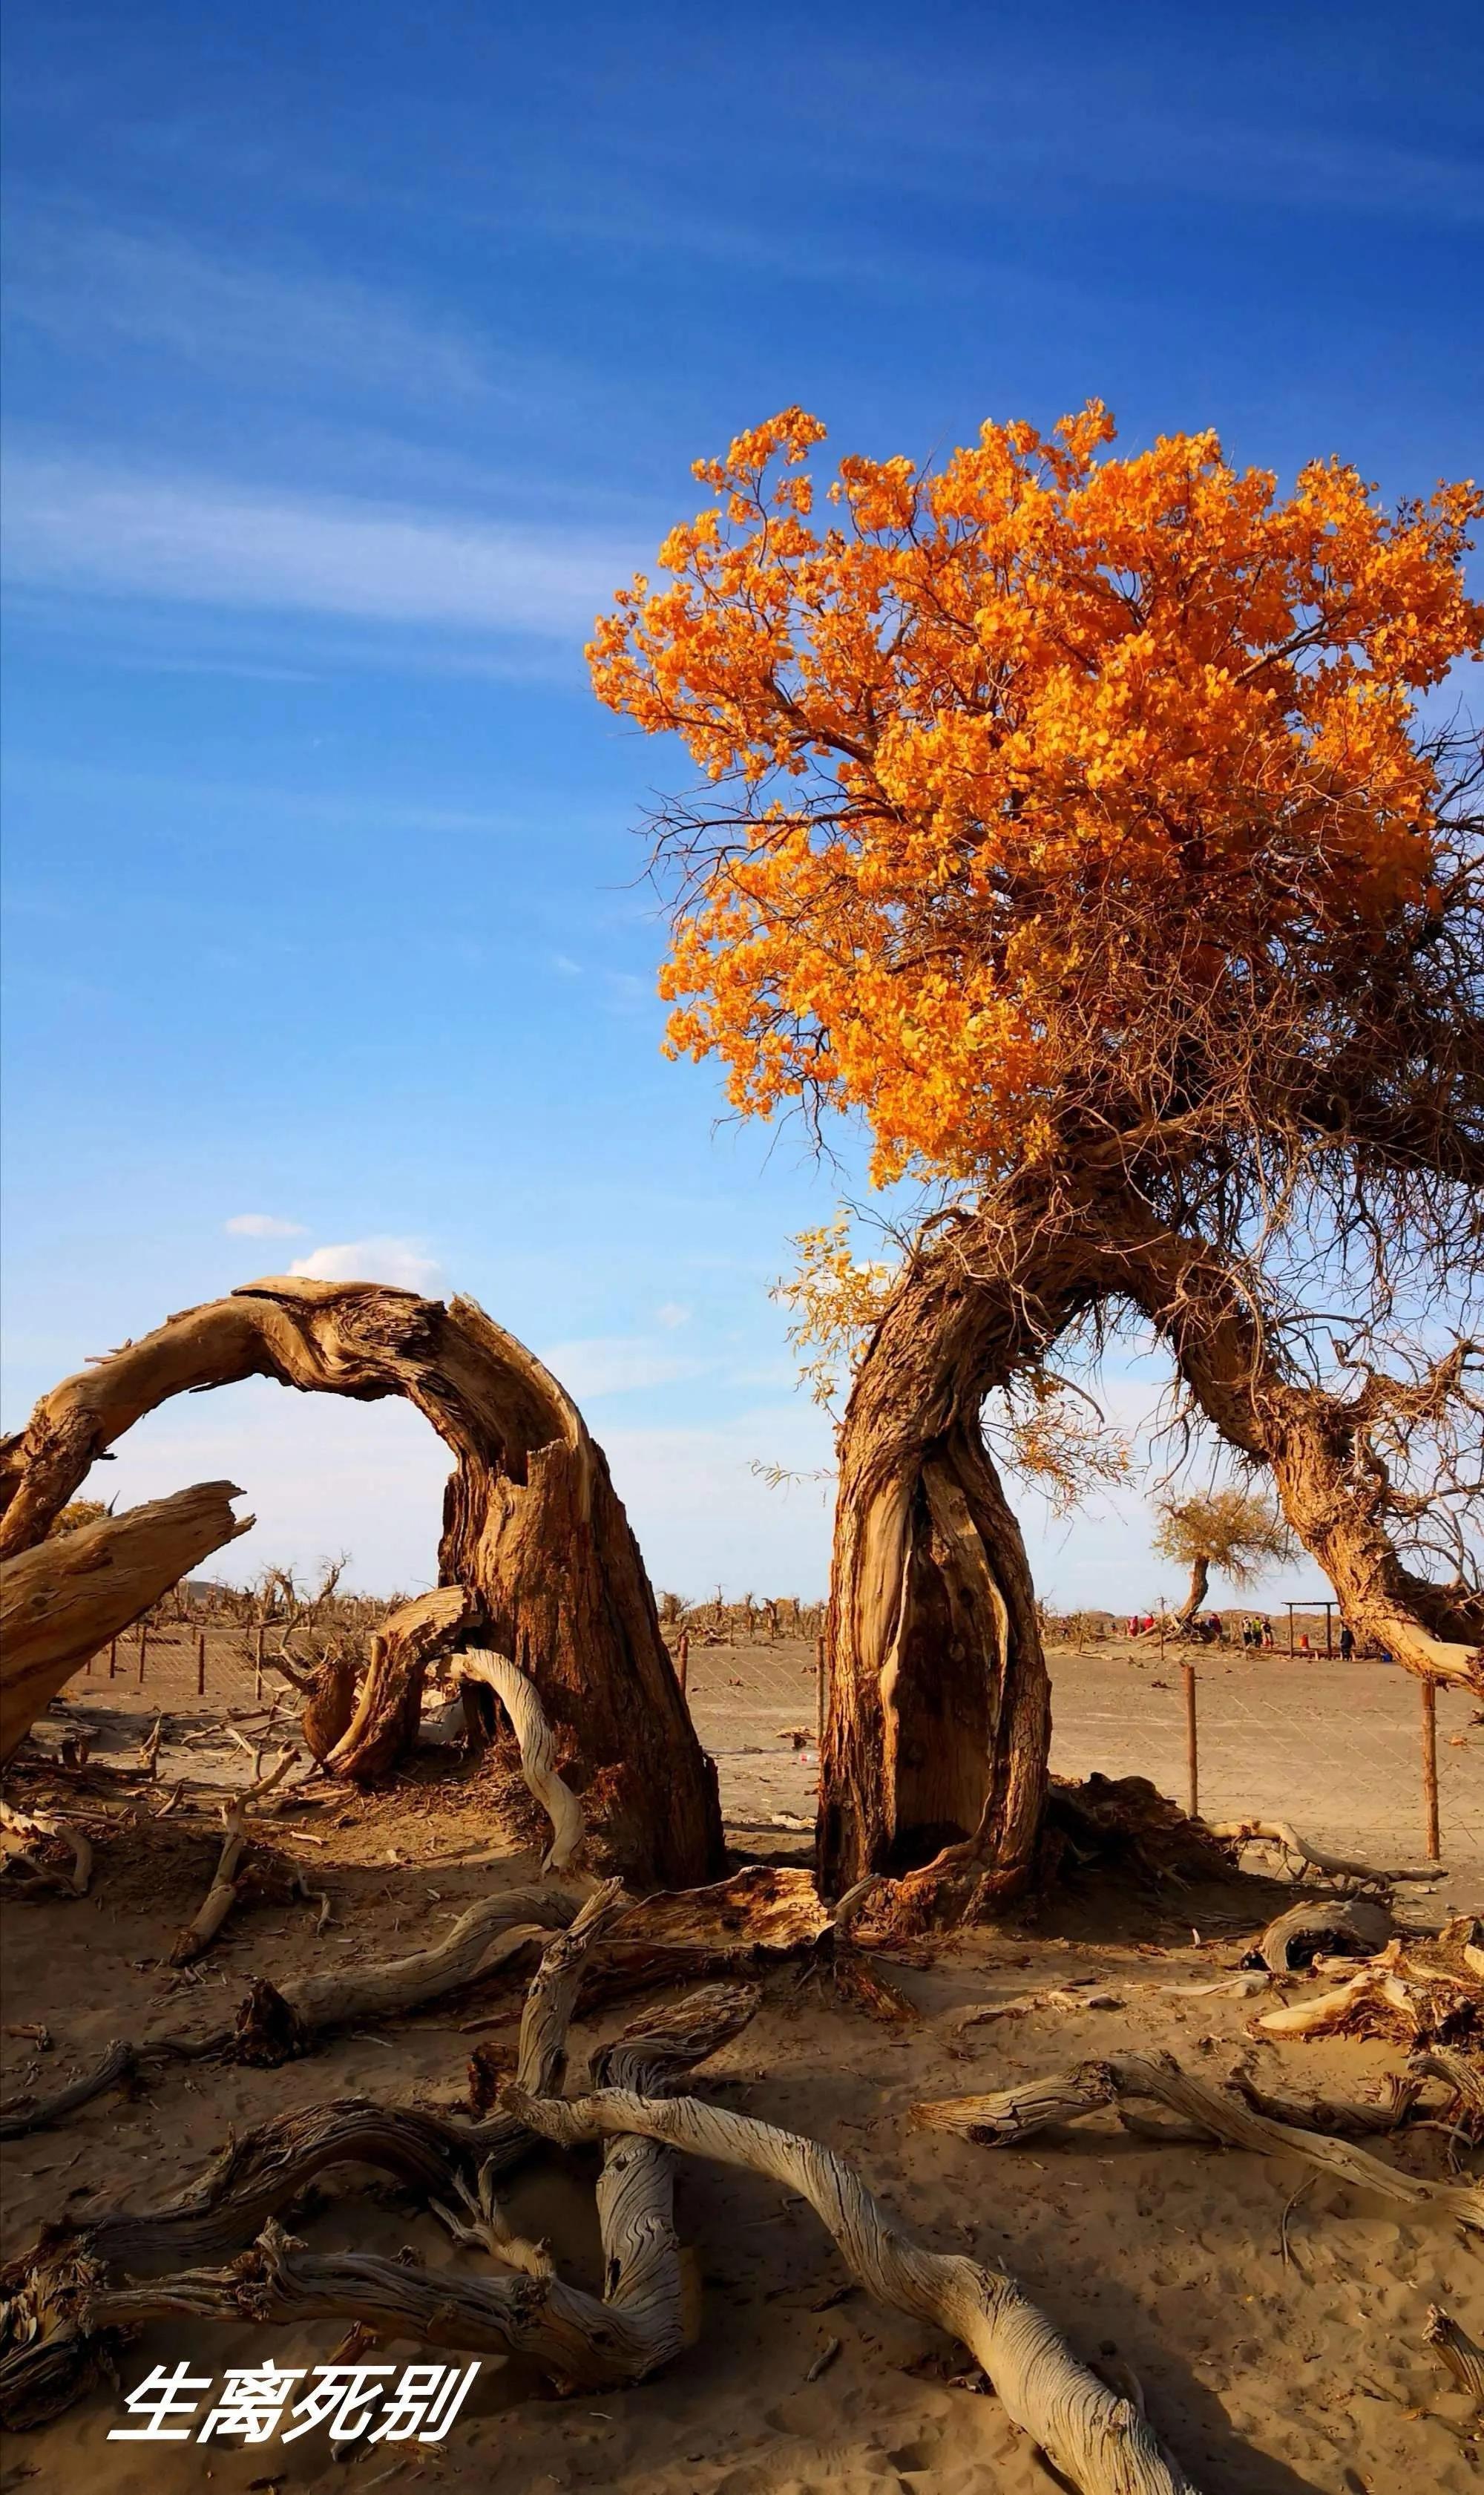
(61, 1600)
(532, 1525)
(1329, 1483)
(939, 1719)
(1196, 1591)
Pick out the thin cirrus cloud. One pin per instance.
(78, 526)
(91, 287)
(403, 1262)
(261, 1225)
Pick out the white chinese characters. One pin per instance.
(258, 2402)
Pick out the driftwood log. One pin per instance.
(61, 1600)
(1014, 2115)
(533, 1528)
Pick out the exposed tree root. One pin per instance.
(516, 1693)
(37, 2113)
(1097, 2440)
(1016, 2113)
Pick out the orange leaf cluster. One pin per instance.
(1032, 782)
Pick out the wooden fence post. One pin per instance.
(683, 1659)
(1192, 1754)
(1432, 1832)
(143, 1649)
(200, 1663)
(258, 1663)
(113, 1657)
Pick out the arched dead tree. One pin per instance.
(533, 1528)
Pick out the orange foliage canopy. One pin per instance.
(1048, 796)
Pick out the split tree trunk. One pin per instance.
(938, 1725)
(532, 1525)
(60, 1601)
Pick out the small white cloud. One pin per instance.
(404, 1262)
(261, 1225)
(672, 1314)
(569, 969)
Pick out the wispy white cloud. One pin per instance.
(673, 1313)
(76, 525)
(261, 1225)
(404, 1262)
(93, 286)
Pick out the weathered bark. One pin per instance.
(532, 1525)
(390, 1702)
(61, 1600)
(937, 1723)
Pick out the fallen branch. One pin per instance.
(21, 2114)
(1097, 2440)
(1311, 1857)
(517, 1694)
(227, 1879)
(1014, 2115)
(276, 2024)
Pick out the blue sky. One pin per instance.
(353, 357)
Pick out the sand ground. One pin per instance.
(1268, 2370)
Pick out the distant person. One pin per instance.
(1346, 1645)
(1303, 1644)
(1267, 1637)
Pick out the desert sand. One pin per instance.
(1274, 2328)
